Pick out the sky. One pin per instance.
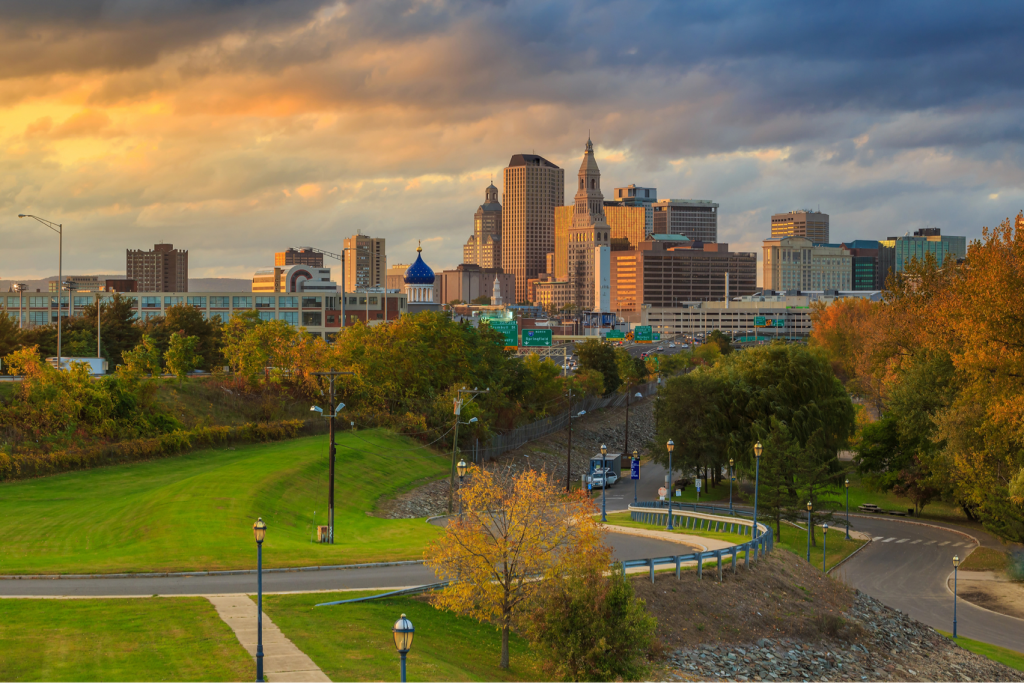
(237, 128)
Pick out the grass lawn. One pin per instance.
(196, 511)
(1010, 658)
(147, 639)
(354, 642)
(986, 560)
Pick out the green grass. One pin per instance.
(147, 639)
(354, 642)
(204, 401)
(196, 511)
(1011, 658)
(861, 494)
(984, 559)
(623, 519)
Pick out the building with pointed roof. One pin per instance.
(589, 240)
(419, 285)
(484, 246)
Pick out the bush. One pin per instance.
(592, 627)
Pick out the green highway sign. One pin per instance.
(758, 321)
(643, 333)
(615, 334)
(509, 329)
(657, 336)
(536, 337)
(780, 322)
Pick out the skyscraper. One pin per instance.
(589, 240)
(695, 219)
(806, 223)
(631, 195)
(484, 246)
(303, 256)
(364, 262)
(163, 269)
(533, 188)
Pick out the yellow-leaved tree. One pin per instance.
(515, 530)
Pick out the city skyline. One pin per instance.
(223, 129)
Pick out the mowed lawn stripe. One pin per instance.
(195, 511)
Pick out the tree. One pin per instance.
(514, 529)
(591, 627)
(118, 329)
(482, 301)
(631, 370)
(10, 335)
(596, 355)
(188, 321)
(143, 360)
(182, 356)
(776, 496)
(721, 340)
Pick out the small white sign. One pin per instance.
(679, 492)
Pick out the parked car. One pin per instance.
(598, 478)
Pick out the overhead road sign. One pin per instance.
(536, 337)
(509, 329)
(643, 334)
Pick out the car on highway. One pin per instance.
(661, 348)
(685, 346)
(671, 345)
(599, 476)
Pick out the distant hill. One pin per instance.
(200, 284)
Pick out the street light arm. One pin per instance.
(56, 227)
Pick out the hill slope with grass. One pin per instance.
(195, 511)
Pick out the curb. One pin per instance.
(959, 597)
(845, 559)
(227, 572)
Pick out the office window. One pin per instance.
(373, 301)
(150, 302)
(219, 301)
(287, 302)
(173, 300)
(312, 318)
(312, 302)
(219, 316)
(149, 315)
(83, 301)
(38, 317)
(196, 301)
(241, 302)
(268, 315)
(12, 302)
(39, 301)
(290, 317)
(265, 302)
(351, 301)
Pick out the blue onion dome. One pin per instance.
(419, 273)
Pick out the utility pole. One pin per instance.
(455, 440)
(98, 326)
(330, 429)
(568, 455)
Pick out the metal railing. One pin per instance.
(650, 512)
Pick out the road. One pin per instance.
(907, 566)
(400, 576)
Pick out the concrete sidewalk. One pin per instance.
(282, 661)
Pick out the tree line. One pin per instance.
(938, 367)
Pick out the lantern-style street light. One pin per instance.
(824, 546)
(809, 531)
(847, 485)
(403, 632)
(956, 563)
(259, 530)
(604, 481)
(635, 464)
(671, 447)
(757, 481)
(731, 462)
(462, 467)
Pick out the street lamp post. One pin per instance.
(403, 632)
(757, 480)
(670, 446)
(259, 530)
(20, 289)
(604, 482)
(331, 448)
(59, 229)
(808, 531)
(824, 546)
(847, 484)
(462, 467)
(636, 459)
(730, 483)
(956, 563)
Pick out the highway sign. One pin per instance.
(780, 322)
(615, 334)
(634, 470)
(697, 484)
(657, 336)
(643, 333)
(508, 329)
(758, 321)
(536, 337)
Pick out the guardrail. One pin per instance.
(654, 512)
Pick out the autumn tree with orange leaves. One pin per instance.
(515, 531)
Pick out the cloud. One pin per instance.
(237, 126)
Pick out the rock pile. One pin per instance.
(884, 644)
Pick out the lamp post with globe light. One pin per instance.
(670, 446)
(847, 485)
(809, 531)
(956, 564)
(757, 479)
(259, 530)
(730, 483)
(824, 545)
(403, 632)
(604, 482)
(59, 229)
(635, 463)
(462, 467)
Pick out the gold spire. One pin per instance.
(419, 246)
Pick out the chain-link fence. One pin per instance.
(520, 436)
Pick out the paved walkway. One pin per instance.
(282, 661)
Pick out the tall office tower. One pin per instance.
(589, 240)
(303, 256)
(533, 188)
(163, 269)
(631, 195)
(563, 225)
(696, 219)
(797, 263)
(627, 222)
(484, 246)
(810, 224)
(867, 272)
(896, 253)
(364, 262)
